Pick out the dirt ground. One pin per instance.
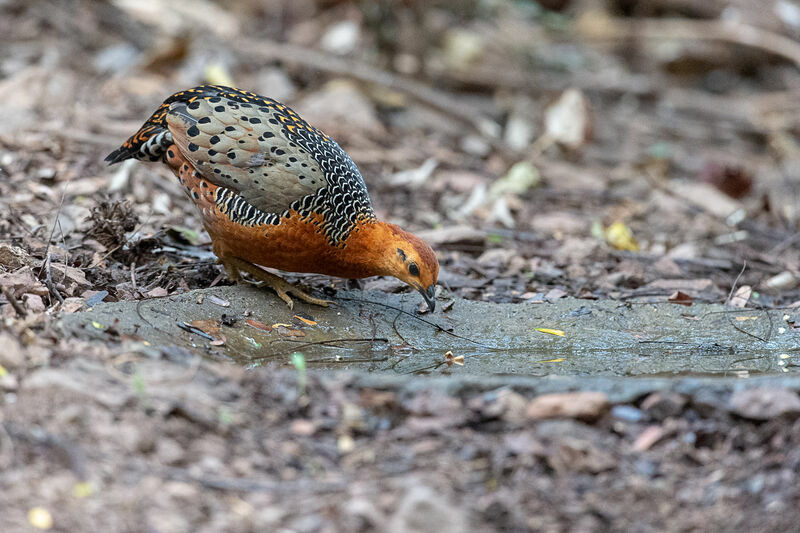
(642, 151)
(190, 445)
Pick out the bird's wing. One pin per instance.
(267, 154)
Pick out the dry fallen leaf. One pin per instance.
(206, 326)
(567, 121)
(556, 332)
(453, 360)
(258, 325)
(681, 298)
(220, 341)
(288, 332)
(648, 437)
(40, 518)
(741, 296)
(158, 292)
(218, 74)
(621, 237)
(305, 320)
(587, 405)
(218, 301)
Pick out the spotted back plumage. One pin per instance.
(266, 161)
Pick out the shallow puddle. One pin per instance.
(380, 332)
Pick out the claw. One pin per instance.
(281, 287)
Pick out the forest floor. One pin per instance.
(632, 192)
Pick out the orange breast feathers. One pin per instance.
(298, 245)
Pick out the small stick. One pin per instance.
(49, 280)
(329, 342)
(21, 312)
(735, 283)
(607, 28)
(434, 324)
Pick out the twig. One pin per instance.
(330, 341)
(735, 282)
(491, 78)
(53, 229)
(784, 244)
(397, 331)
(607, 28)
(21, 312)
(219, 278)
(48, 280)
(434, 324)
(72, 452)
(340, 360)
(753, 335)
(289, 53)
(191, 329)
(250, 485)
(306, 344)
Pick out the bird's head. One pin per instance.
(411, 260)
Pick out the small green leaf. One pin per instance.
(299, 362)
(184, 234)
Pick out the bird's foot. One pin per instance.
(281, 287)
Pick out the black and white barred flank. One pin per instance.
(342, 205)
(241, 211)
(344, 202)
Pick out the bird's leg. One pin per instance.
(283, 288)
(231, 271)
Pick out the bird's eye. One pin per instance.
(413, 269)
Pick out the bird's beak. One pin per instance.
(430, 296)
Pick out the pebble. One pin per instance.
(627, 413)
(424, 511)
(765, 404)
(661, 405)
(34, 303)
(581, 405)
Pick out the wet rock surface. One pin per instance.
(380, 332)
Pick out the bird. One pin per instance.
(274, 191)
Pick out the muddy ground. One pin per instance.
(622, 175)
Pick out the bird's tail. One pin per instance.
(147, 144)
(153, 138)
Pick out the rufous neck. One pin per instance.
(367, 251)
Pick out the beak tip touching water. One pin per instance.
(430, 297)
